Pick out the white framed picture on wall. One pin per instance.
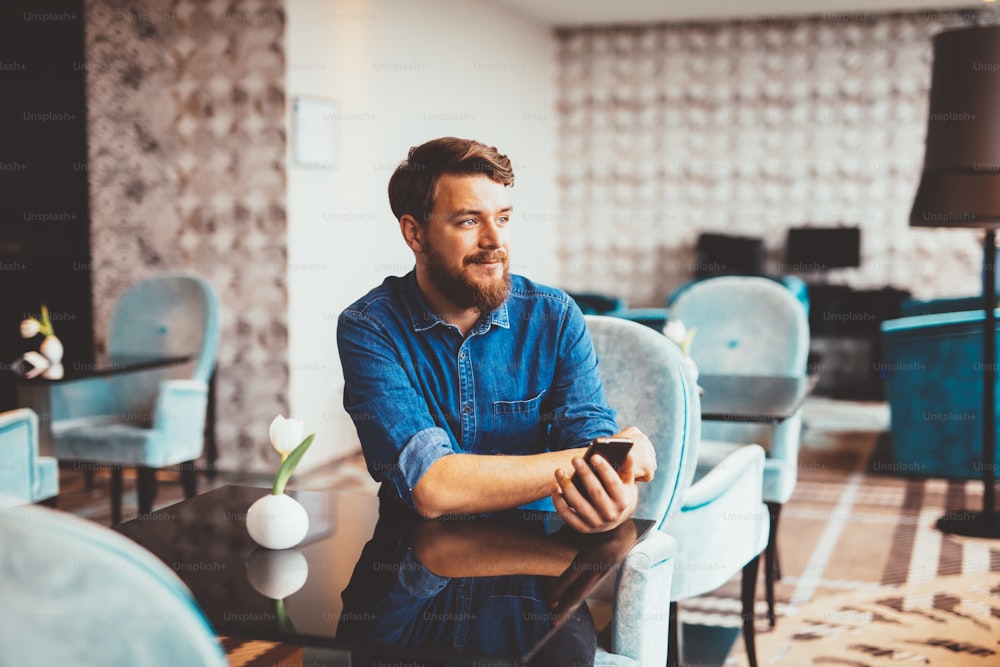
(314, 132)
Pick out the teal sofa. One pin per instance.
(932, 367)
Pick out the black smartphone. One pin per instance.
(612, 450)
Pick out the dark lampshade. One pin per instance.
(960, 185)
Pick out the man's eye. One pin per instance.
(503, 219)
(468, 222)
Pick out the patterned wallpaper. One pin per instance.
(186, 164)
(749, 128)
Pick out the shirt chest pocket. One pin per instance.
(517, 426)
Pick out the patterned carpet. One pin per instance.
(859, 553)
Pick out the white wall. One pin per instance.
(401, 73)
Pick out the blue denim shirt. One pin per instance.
(523, 381)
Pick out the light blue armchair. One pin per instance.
(719, 522)
(77, 593)
(152, 418)
(644, 382)
(750, 326)
(24, 475)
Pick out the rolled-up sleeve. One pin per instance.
(398, 434)
(579, 411)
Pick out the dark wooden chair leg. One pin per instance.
(146, 487)
(749, 592)
(772, 569)
(116, 495)
(673, 638)
(775, 511)
(52, 502)
(189, 478)
(211, 448)
(769, 584)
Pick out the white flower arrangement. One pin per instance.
(47, 362)
(680, 334)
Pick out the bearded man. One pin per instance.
(472, 389)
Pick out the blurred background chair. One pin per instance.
(718, 520)
(749, 325)
(24, 474)
(75, 592)
(595, 303)
(152, 418)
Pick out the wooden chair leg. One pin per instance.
(749, 592)
(774, 509)
(88, 479)
(189, 479)
(52, 502)
(116, 495)
(673, 638)
(146, 487)
(772, 569)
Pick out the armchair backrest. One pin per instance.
(18, 453)
(166, 316)
(77, 592)
(163, 316)
(649, 384)
(746, 324)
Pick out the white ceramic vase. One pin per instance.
(52, 349)
(277, 521)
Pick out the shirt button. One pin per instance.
(461, 355)
(468, 409)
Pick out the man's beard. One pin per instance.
(459, 287)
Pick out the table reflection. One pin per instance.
(498, 586)
(373, 582)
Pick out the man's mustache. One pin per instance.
(487, 257)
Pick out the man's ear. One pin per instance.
(413, 232)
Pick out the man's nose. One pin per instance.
(491, 235)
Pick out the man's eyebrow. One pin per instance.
(463, 212)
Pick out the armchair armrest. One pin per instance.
(18, 453)
(179, 413)
(642, 601)
(722, 525)
(740, 473)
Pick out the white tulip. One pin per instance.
(675, 331)
(286, 434)
(30, 328)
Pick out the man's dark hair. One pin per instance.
(414, 183)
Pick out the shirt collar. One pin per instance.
(423, 318)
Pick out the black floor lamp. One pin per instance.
(960, 187)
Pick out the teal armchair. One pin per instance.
(748, 325)
(644, 382)
(152, 418)
(24, 475)
(76, 593)
(719, 519)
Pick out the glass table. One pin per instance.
(373, 582)
(753, 398)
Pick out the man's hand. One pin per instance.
(613, 495)
(642, 456)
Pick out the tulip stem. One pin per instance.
(288, 465)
